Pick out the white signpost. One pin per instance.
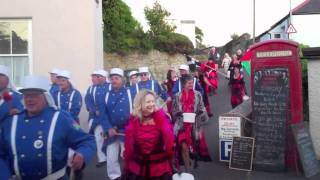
(229, 127)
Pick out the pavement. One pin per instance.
(215, 170)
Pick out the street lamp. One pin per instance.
(254, 22)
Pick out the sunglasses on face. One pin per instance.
(143, 74)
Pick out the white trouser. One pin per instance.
(70, 156)
(113, 162)
(98, 134)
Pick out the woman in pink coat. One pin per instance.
(149, 141)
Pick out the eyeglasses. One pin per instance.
(143, 74)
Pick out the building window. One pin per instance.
(277, 36)
(15, 47)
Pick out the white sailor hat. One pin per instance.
(116, 71)
(35, 83)
(143, 70)
(184, 67)
(100, 72)
(4, 70)
(64, 73)
(131, 73)
(54, 71)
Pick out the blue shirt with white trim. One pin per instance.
(41, 144)
(70, 101)
(177, 87)
(118, 107)
(14, 103)
(95, 101)
(150, 85)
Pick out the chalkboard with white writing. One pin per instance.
(307, 154)
(270, 113)
(241, 153)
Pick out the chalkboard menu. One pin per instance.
(241, 153)
(306, 152)
(270, 110)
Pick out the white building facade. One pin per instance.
(36, 36)
(304, 19)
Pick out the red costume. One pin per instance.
(169, 86)
(237, 86)
(209, 74)
(149, 148)
(187, 101)
(209, 70)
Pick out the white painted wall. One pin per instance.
(308, 30)
(314, 102)
(66, 34)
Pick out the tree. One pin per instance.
(162, 33)
(156, 17)
(199, 37)
(122, 33)
(234, 36)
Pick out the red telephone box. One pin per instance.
(276, 103)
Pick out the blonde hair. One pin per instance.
(138, 102)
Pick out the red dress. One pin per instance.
(185, 135)
(149, 148)
(237, 86)
(210, 74)
(169, 85)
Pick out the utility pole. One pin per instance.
(254, 22)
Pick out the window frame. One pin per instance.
(29, 54)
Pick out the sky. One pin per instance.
(218, 19)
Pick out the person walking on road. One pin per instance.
(34, 144)
(190, 135)
(149, 141)
(117, 109)
(94, 100)
(10, 100)
(226, 63)
(237, 86)
(68, 98)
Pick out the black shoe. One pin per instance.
(101, 164)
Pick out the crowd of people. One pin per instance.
(155, 128)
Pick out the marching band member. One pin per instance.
(118, 106)
(184, 69)
(94, 100)
(147, 83)
(68, 98)
(10, 100)
(34, 143)
(133, 76)
(53, 77)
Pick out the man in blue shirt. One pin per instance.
(146, 83)
(53, 77)
(34, 144)
(10, 100)
(184, 69)
(95, 101)
(118, 107)
(68, 98)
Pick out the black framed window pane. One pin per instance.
(5, 38)
(19, 32)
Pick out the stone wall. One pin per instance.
(158, 62)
